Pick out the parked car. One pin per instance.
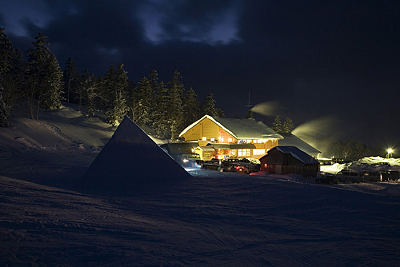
(213, 161)
(327, 179)
(239, 165)
(187, 159)
(348, 176)
(213, 164)
(371, 176)
(389, 176)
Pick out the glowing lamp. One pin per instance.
(389, 152)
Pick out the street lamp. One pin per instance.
(389, 152)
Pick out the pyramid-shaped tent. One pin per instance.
(131, 160)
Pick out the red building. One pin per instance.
(289, 159)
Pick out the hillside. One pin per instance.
(61, 143)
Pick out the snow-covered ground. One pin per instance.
(209, 219)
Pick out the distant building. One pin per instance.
(219, 137)
(289, 159)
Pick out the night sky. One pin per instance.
(333, 63)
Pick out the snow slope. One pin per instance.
(221, 220)
(209, 219)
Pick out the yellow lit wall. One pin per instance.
(206, 128)
(224, 137)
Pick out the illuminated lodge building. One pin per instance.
(219, 137)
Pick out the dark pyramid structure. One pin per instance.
(131, 161)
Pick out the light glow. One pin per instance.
(389, 152)
(258, 152)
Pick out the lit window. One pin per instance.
(230, 140)
(222, 139)
(244, 152)
(204, 138)
(212, 139)
(258, 151)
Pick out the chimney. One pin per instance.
(249, 114)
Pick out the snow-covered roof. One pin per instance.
(240, 128)
(205, 148)
(292, 140)
(296, 153)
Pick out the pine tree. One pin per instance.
(176, 83)
(132, 99)
(155, 86)
(6, 52)
(108, 87)
(4, 110)
(51, 85)
(175, 110)
(287, 126)
(117, 85)
(220, 112)
(161, 123)
(6, 55)
(191, 107)
(348, 149)
(89, 88)
(277, 125)
(13, 80)
(80, 90)
(208, 106)
(153, 80)
(115, 115)
(144, 104)
(71, 80)
(39, 58)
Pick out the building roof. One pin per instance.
(240, 128)
(294, 152)
(292, 140)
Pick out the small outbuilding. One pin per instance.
(289, 159)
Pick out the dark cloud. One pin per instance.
(314, 58)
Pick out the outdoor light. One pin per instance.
(389, 152)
